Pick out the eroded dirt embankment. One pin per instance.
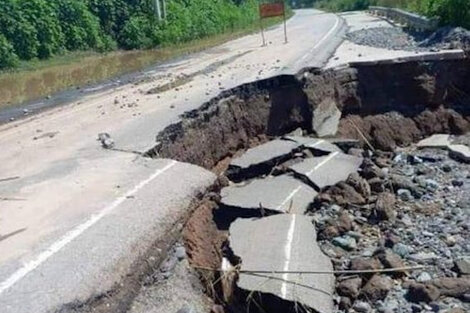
(382, 105)
(386, 104)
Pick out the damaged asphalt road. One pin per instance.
(94, 221)
(72, 190)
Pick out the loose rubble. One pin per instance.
(395, 227)
(395, 38)
(416, 215)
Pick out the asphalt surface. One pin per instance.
(328, 170)
(280, 194)
(285, 243)
(75, 216)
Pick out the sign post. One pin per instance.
(270, 10)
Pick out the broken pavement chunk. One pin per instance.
(314, 143)
(327, 170)
(261, 159)
(286, 243)
(460, 153)
(326, 118)
(280, 194)
(438, 141)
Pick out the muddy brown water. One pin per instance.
(23, 86)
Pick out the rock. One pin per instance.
(450, 241)
(423, 257)
(463, 265)
(391, 240)
(456, 287)
(362, 307)
(344, 303)
(326, 118)
(389, 259)
(330, 232)
(297, 132)
(106, 141)
(431, 184)
(405, 194)
(180, 253)
(169, 264)
(217, 308)
(377, 287)
(364, 264)
(447, 168)
(385, 206)
(376, 185)
(371, 170)
(422, 293)
(437, 141)
(350, 287)
(424, 277)
(345, 222)
(402, 249)
(343, 193)
(402, 182)
(345, 242)
(359, 184)
(457, 182)
(459, 153)
(455, 310)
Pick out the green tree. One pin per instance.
(80, 27)
(42, 15)
(17, 30)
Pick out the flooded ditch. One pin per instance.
(384, 109)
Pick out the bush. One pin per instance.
(137, 33)
(8, 58)
(451, 12)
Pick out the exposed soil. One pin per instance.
(391, 130)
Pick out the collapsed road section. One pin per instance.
(282, 186)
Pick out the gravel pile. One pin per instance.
(448, 38)
(394, 38)
(391, 38)
(405, 209)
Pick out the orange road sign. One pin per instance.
(271, 9)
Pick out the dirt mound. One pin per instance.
(392, 129)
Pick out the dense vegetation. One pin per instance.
(451, 12)
(42, 28)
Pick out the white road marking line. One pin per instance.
(290, 196)
(287, 254)
(321, 40)
(77, 231)
(296, 190)
(331, 156)
(316, 143)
